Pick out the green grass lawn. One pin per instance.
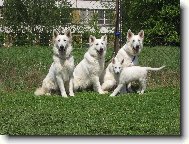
(22, 70)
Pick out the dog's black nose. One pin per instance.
(61, 48)
(137, 47)
(101, 49)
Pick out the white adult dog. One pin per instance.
(88, 71)
(125, 75)
(60, 76)
(129, 52)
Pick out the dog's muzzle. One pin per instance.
(136, 49)
(117, 73)
(100, 52)
(61, 48)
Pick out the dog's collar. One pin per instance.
(133, 59)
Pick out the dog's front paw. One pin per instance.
(64, 95)
(112, 95)
(141, 93)
(72, 94)
(48, 94)
(103, 92)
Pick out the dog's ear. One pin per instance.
(129, 34)
(141, 34)
(91, 39)
(104, 38)
(113, 60)
(55, 33)
(122, 61)
(68, 33)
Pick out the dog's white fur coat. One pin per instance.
(88, 71)
(60, 76)
(129, 52)
(130, 74)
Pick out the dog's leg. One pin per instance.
(108, 85)
(61, 85)
(71, 93)
(124, 89)
(129, 87)
(97, 86)
(119, 87)
(143, 85)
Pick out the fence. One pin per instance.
(31, 22)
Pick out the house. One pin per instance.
(84, 11)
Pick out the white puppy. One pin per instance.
(60, 76)
(129, 52)
(88, 71)
(129, 74)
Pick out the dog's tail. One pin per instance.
(39, 91)
(154, 69)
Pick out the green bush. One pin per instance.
(1, 39)
(26, 19)
(159, 19)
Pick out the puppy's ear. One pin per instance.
(122, 61)
(55, 33)
(104, 38)
(113, 60)
(91, 39)
(68, 33)
(129, 34)
(141, 34)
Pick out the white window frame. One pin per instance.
(104, 18)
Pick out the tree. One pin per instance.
(160, 19)
(31, 17)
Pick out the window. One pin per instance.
(103, 17)
(86, 15)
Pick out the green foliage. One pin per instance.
(23, 17)
(159, 19)
(1, 39)
(157, 112)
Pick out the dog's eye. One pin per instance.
(115, 67)
(64, 40)
(119, 67)
(59, 40)
(133, 40)
(97, 44)
(102, 43)
(138, 40)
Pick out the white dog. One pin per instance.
(88, 71)
(129, 52)
(60, 76)
(126, 75)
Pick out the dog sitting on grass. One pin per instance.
(129, 52)
(60, 76)
(125, 75)
(87, 73)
